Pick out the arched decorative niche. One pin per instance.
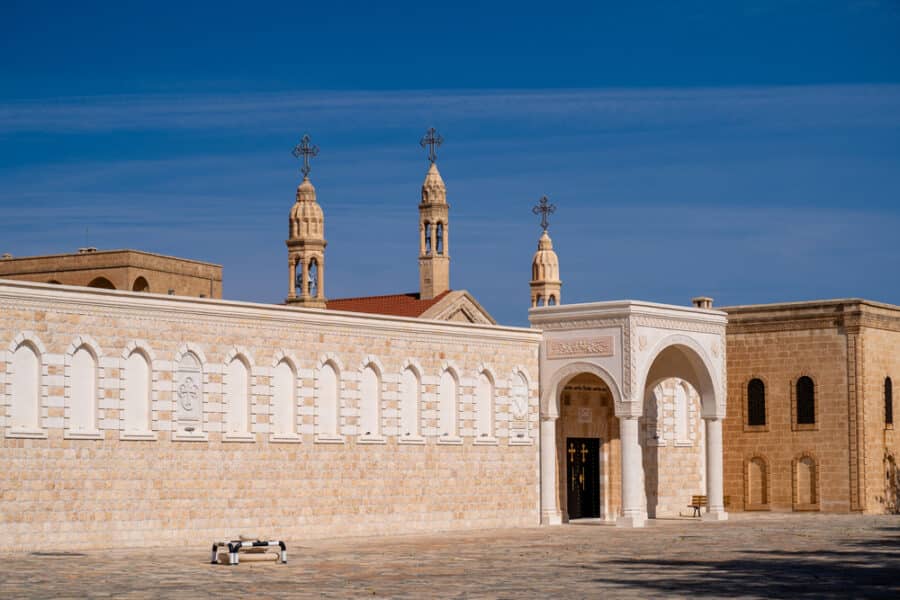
(26, 390)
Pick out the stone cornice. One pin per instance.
(849, 314)
(607, 314)
(39, 296)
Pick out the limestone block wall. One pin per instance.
(783, 466)
(881, 352)
(674, 449)
(226, 448)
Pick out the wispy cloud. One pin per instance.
(620, 108)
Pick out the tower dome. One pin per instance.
(545, 282)
(307, 219)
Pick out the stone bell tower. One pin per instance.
(545, 283)
(434, 229)
(306, 239)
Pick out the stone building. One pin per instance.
(131, 270)
(810, 399)
(142, 419)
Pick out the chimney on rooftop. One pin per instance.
(704, 302)
(87, 250)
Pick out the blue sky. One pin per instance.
(748, 151)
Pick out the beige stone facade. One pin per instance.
(215, 458)
(845, 458)
(132, 270)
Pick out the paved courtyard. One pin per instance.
(787, 556)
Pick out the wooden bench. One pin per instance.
(697, 502)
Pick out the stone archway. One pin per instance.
(630, 347)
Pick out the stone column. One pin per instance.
(292, 270)
(320, 278)
(714, 495)
(446, 239)
(632, 477)
(304, 283)
(550, 514)
(421, 240)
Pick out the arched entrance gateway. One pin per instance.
(632, 402)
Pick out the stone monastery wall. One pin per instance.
(134, 419)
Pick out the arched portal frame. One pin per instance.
(681, 356)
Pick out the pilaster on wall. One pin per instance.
(856, 418)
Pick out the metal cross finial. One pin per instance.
(432, 140)
(545, 209)
(306, 150)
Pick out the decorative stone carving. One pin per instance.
(585, 346)
(189, 393)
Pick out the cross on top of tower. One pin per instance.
(306, 150)
(432, 140)
(545, 209)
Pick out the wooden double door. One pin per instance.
(583, 477)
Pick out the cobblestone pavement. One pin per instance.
(787, 556)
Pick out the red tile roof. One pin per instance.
(399, 305)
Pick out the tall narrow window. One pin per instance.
(237, 397)
(427, 238)
(756, 402)
(370, 402)
(806, 401)
(439, 244)
(447, 405)
(807, 491)
(327, 401)
(83, 398)
(26, 389)
(681, 413)
(137, 393)
(284, 396)
(409, 403)
(888, 401)
(484, 407)
(313, 275)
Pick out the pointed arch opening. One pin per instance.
(410, 400)
(327, 401)
(370, 402)
(284, 399)
(237, 399)
(448, 405)
(25, 406)
(84, 377)
(484, 406)
(138, 381)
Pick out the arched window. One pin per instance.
(439, 244)
(888, 401)
(484, 407)
(137, 393)
(681, 413)
(756, 402)
(806, 401)
(313, 275)
(551, 301)
(447, 405)
(370, 402)
(427, 238)
(298, 276)
(237, 397)
(327, 401)
(284, 397)
(83, 392)
(102, 282)
(140, 285)
(540, 300)
(26, 389)
(410, 390)
(534, 272)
